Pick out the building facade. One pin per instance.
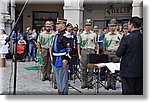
(75, 11)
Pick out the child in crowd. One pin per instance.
(21, 49)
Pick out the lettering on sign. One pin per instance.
(117, 11)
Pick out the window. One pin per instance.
(40, 17)
(100, 23)
(19, 25)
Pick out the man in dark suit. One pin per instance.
(131, 51)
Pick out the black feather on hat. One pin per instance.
(76, 27)
(69, 24)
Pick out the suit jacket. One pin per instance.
(131, 51)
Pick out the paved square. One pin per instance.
(29, 83)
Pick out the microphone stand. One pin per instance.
(8, 39)
(69, 49)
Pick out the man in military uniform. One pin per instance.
(112, 40)
(61, 57)
(87, 42)
(125, 29)
(44, 42)
(70, 34)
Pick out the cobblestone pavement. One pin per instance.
(29, 83)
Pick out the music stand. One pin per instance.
(74, 63)
(94, 59)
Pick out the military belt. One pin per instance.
(87, 50)
(59, 54)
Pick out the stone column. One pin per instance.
(2, 23)
(4, 15)
(13, 6)
(8, 26)
(10, 18)
(137, 9)
(73, 12)
(2, 12)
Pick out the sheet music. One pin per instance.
(118, 65)
(111, 66)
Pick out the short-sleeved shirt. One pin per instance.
(87, 40)
(112, 41)
(14, 36)
(46, 39)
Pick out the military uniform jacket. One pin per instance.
(87, 40)
(112, 41)
(61, 43)
(73, 43)
(46, 39)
